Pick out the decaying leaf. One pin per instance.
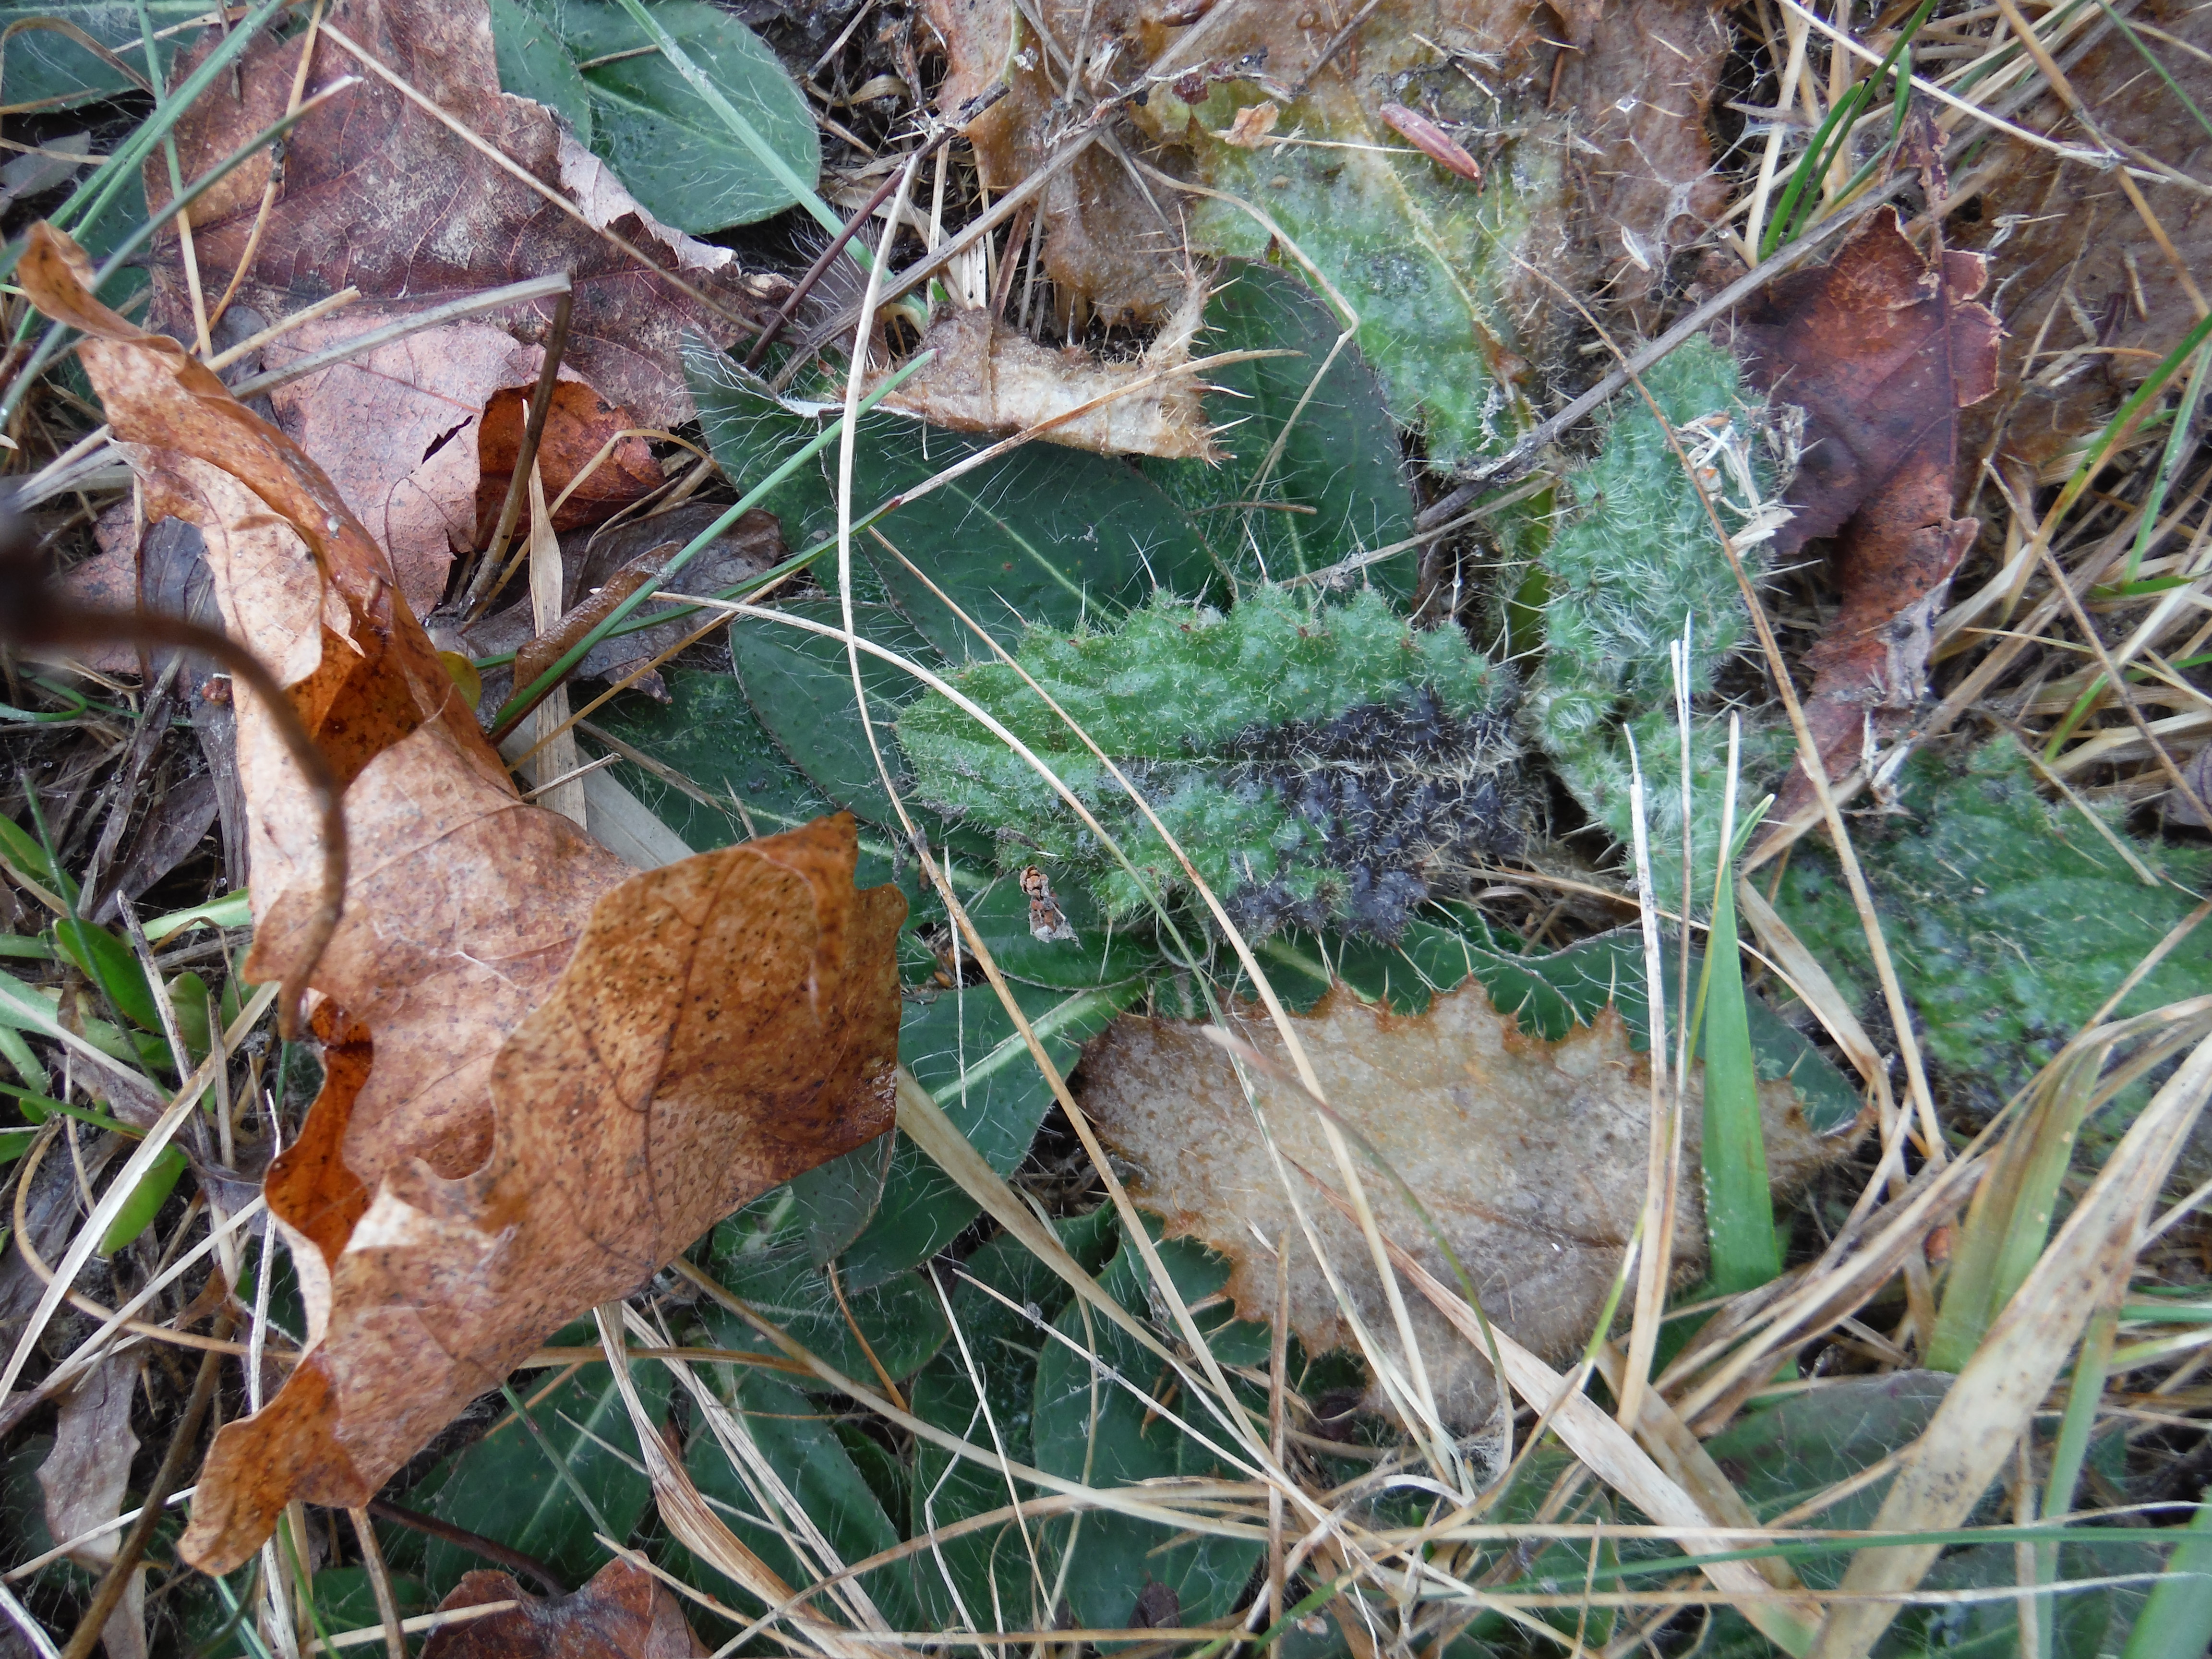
(579, 424)
(2091, 303)
(1882, 349)
(1595, 149)
(622, 1614)
(541, 1081)
(85, 1477)
(378, 192)
(988, 376)
(418, 433)
(85, 1474)
(1529, 1155)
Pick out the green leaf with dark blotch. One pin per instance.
(1549, 994)
(1101, 953)
(534, 63)
(2009, 919)
(954, 1582)
(1109, 1437)
(505, 1488)
(1314, 760)
(43, 63)
(1425, 258)
(1339, 486)
(765, 1253)
(666, 142)
(1042, 535)
(798, 1439)
(963, 1048)
(800, 686)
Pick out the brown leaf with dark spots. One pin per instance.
(624, 1613)
(545, 1076)
(1881, 348)
(376, 192)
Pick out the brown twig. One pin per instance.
(461, 1538)
(541, 403)
(1337, 43)
(33, 613)
(166, 1479)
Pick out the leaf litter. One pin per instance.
(1430, 183)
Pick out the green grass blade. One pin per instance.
(2178, 441)
(2177, 1620)
(1739, 1205)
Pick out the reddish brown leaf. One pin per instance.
(622, 1614)
(578, 425)
(1882, 349)
(376, 192)
(545, 1076)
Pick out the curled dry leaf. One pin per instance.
(1530, 1156)
(541, 1081)
(622, 1614)
(1882, 349)
(378, 192)
(419, 433)
(990, 377)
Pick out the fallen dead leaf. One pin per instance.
(1882, 349)
(988, 376)
(1628, 99)
(377, 193)
(84, 1478)
(2091, 302)
(1529, 1155)
(86, 1474)
(622, 1614)
(418, 434)
(579, 424)
(541, 1081)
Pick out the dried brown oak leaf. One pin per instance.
(622, 1614)
(1529, 1155)
(384, 195)
(1881, 348)
(544, 1075)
